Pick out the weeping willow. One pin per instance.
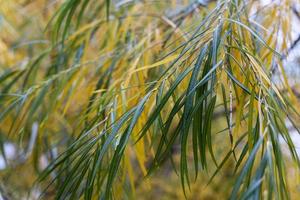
(110, 92)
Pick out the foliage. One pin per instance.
(117, 87)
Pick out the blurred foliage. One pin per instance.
(147, 99)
